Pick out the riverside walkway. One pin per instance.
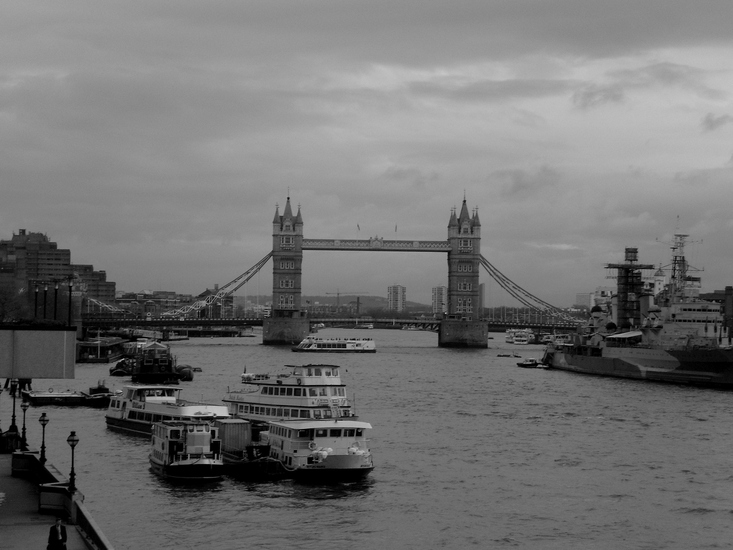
(22, 526)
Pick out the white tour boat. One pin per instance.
(139, 407)
(322, 450)
(186, 451)
(308, 392)
(336, 345)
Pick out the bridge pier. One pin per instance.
(457, 333)
(280, 331)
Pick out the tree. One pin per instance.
(13, 304)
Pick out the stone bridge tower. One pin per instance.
(287, 324)
(462, 326)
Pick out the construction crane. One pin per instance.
(338, 294)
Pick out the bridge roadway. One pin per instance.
(346, 322)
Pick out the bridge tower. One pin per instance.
(462, 326)
(287, 323)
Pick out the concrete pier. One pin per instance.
(455, 333)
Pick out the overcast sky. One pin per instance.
(155, 139)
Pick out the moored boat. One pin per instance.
(336, 345)
(135, 410)
(97, 397)
(307, 392)
(322, 450)
(186, 451)
(667, 335)
(529, 363)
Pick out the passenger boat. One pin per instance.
(307, 392)
(336, 345)
(521, 338)
(322, 450)
(663, 332)
(135, 410)
(186, 451)
(97, 397)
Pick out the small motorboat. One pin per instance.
(529, 363)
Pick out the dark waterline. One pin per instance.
(470, 451)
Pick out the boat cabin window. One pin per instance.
(290, 391)
(304, 413)
(349, 433)
(316, 414)
(312, 392)
(321, 433)
(175, 434)
(359, 432)
(297, 372)
(324, 391)
(317, 371)
(304, 433)
(335, 432)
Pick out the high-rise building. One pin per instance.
(31, 260)
(440, 300)
(396, 298)
(35, 258)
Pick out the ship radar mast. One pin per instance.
(681, 283)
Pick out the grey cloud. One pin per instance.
(712, 122)
(520, 182)
(593, 95)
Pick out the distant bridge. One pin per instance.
(97, 322)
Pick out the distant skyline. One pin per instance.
(154, 140)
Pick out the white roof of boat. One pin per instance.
(307, 424)
(152, 387)
(630, 334)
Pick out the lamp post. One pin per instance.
(45, 294)
(72, 440)
(43, 420)
(24, 405)
(55, 298)
(13, 389)
(35, 304)
(71, 285)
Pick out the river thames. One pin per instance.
(470, 451)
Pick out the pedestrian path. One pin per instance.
(22, 526)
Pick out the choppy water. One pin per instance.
(470, 452)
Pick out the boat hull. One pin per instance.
(710, 368)
(201, 471)
(325, 350)
(325, 474)
(66, 399)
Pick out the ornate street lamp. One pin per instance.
(71, 285)
(13, 389)
(43, 420)
(24, 405)
(55, 298)
(72, 440)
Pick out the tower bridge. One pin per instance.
(460, 327)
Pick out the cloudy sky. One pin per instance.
(155, 139)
